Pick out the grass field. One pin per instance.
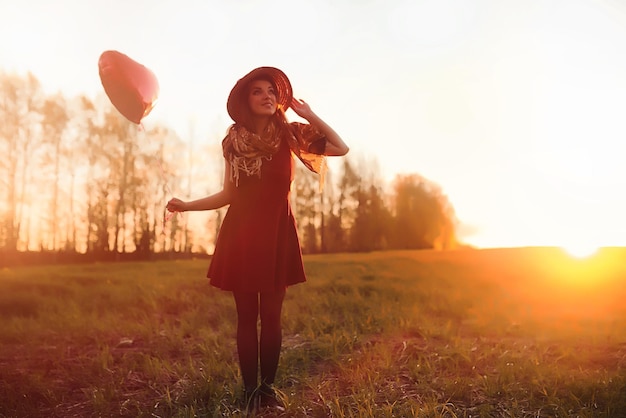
(490, 333)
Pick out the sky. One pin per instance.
(515, 108)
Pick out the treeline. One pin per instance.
(80, 182)
(358, 213)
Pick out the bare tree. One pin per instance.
(88, 144)
(19, 115)
(54, 122)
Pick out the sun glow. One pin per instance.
(582, 250)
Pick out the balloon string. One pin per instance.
(167, 215)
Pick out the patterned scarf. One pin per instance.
(246, 150)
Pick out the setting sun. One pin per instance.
(581, 250)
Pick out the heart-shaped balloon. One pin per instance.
(132, 88)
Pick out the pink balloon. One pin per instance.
(132, 88)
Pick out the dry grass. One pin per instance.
(491, 333)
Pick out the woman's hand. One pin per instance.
(302, 108)
(334, 144)
(176, 205)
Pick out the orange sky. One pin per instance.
(515, 108)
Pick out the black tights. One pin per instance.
(248, 347)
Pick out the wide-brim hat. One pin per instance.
(238, 97)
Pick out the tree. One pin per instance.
(54, 122)
(306, 207)
(347, 203)
(369, 231)
(423, 217)
(19, 115)
(95, 189)
(371, 217)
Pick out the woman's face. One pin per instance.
(262, 98)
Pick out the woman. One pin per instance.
(257, 253)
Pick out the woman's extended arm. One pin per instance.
(334, 145)
(214, 201)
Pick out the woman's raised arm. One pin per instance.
(334, 144)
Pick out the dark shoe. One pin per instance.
(251, 400)
(269, 398)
